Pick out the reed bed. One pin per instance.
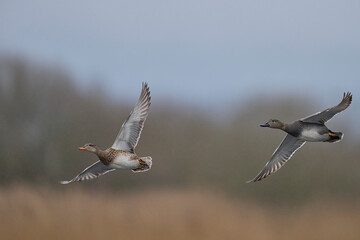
(29, 213)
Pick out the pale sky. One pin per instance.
(204, 53)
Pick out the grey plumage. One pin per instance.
(311, 128)
(326, 115)
(281, 155)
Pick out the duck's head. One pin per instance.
(273, 123)
(89, 147)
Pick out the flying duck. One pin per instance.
(309, 129)
(121, 154)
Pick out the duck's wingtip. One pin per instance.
(250, 181)
(64, 182)
(347, 95)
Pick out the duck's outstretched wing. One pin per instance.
(92, 172)
(326, 115)
(130, 131)
(281, 155)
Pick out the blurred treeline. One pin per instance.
(45, 116)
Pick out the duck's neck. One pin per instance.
(105, 156)
(284, 127)
(292, 128)
(98, 151)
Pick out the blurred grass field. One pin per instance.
(40, 213)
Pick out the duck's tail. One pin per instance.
(335, 137)
(145, 165)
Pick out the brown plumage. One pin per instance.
(121, 155)
(109, 155)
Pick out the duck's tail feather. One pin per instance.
(146, 163)
(335, 137)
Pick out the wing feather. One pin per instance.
(91, 172)
(130, 131)
(281, 155)
(326, 115)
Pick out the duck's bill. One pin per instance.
(265, 125)
(82, 148)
